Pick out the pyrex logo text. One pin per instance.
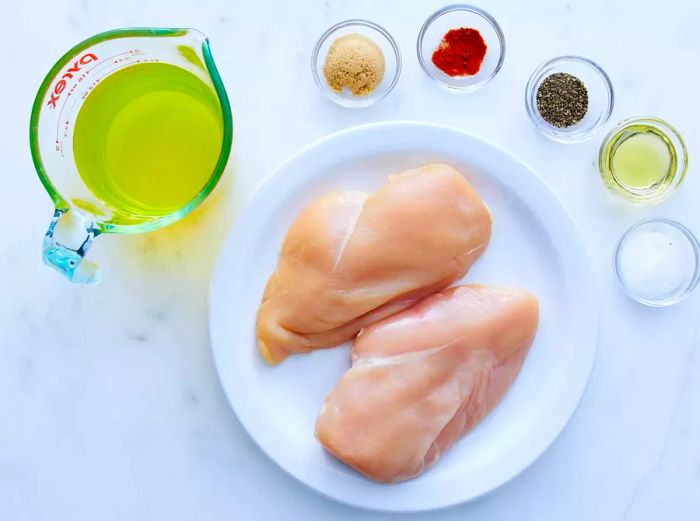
(60, 85)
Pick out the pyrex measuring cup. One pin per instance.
(80, 215)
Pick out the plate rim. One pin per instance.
(245, 216)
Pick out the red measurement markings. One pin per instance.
(70, 73)
(79, 79)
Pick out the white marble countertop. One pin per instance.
(110, 408)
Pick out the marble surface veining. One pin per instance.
(109, 404)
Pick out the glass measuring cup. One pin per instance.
(80, 215)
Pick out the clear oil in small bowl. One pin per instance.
(643, 160)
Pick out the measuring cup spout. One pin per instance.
(67, 240)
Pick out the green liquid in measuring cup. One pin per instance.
(147, 139)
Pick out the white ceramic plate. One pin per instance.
(534, 245)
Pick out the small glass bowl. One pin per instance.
(600, 98)
(392, 62)
(659, 191)
(451, 17)
(673, 243)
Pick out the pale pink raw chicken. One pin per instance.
(353, 258)
(424, 377)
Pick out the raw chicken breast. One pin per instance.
(353, 258)
(424, 377)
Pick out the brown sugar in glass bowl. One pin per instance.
(376, 35)
(354, 62)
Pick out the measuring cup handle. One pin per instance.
(66, 242)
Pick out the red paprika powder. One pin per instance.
(461, 52)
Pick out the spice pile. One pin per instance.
(562, 100)
(461, 52)
(354, 62)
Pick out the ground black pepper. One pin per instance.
(562, 99)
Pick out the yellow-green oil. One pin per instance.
(147, 140)
(639, 161)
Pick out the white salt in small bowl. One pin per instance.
(657, 262)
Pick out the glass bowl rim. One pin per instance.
(631, 292)
(471, 9)
(363, 101)
(666, 128)
(564, 136)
